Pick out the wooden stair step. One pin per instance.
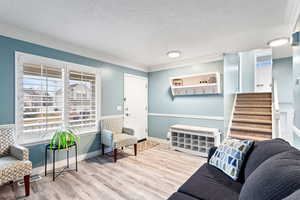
(252, 129)
(253, 103)
(259, 117)
(252, 125)
(253, 99)
(244, 109)
(253, 106)
(252, 113)
(254, 121)
(250, 137)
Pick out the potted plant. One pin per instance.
(63, 139)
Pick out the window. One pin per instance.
(53, 94)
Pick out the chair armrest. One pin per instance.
(19, 152)
(107, 137)
(211, 152)
(128, 131)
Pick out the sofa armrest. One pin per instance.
(128, 131)
(107, 137)
(211, 152)
(19, 152)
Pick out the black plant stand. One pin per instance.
(54, 149)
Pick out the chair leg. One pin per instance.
(27, 185)
(115, 155)
(103, 147)
(135, 149)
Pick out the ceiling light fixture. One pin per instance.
(278, 42)
(174, 54)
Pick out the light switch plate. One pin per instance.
(119, 108)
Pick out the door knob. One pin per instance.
(127, 114)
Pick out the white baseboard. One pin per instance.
(62, 163)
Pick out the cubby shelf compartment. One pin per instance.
(194, 139)
(204, 83)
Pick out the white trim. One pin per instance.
(136, 76)
(62, 163)
(186, 62)
(231, 116)
(111, 116)
(19, 33)
(219, 118)
(21, 58)
(296, 130)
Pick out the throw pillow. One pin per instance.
(230, 155)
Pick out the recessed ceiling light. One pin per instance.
(278, 42)
(174, 54)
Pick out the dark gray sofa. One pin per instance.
(271, 171)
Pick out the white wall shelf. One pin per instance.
(194, 139)
(204, 83)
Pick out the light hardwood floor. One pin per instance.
(154, 174)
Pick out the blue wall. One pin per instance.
(112, 87)
(283, 73)
(161, 100)
(247, 71)
(231, 85)
(296, 91)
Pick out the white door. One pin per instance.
(136, 105)
(263, 73)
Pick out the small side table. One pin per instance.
(54, 149)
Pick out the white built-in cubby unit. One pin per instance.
(204, 83)
(194, 139)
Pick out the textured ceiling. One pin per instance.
(142, 31)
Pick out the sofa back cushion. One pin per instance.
(276, 178)
(260, 152)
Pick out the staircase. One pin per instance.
(252, 117)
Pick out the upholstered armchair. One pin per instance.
(114, 136)
(14, 161)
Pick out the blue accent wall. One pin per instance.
(283, 74)
(247, 63)
(296, 91)
(112, 88)
(161, 100)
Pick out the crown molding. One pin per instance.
(19, 33)
(292, 14)
(185, 62)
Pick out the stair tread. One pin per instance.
(250, 129)
(258, 121)
(253, 106)
(252, 113)
(253, 99)
(249, 137)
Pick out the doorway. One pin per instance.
(136, 105)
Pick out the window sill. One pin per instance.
(47, 140)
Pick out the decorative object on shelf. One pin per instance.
(63, 139)
(177, 82)
(194, 139)
(204, 83)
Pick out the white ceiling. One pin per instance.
(138, 33)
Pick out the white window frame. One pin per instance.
(21, 58)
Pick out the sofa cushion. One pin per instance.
(275, 179)
(210, 183)
(260, 152)
(230, 156)
(294, 196)
(181, 196)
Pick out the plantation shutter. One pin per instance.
(41, 101)
(82, 100)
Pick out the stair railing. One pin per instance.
(276, 133)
